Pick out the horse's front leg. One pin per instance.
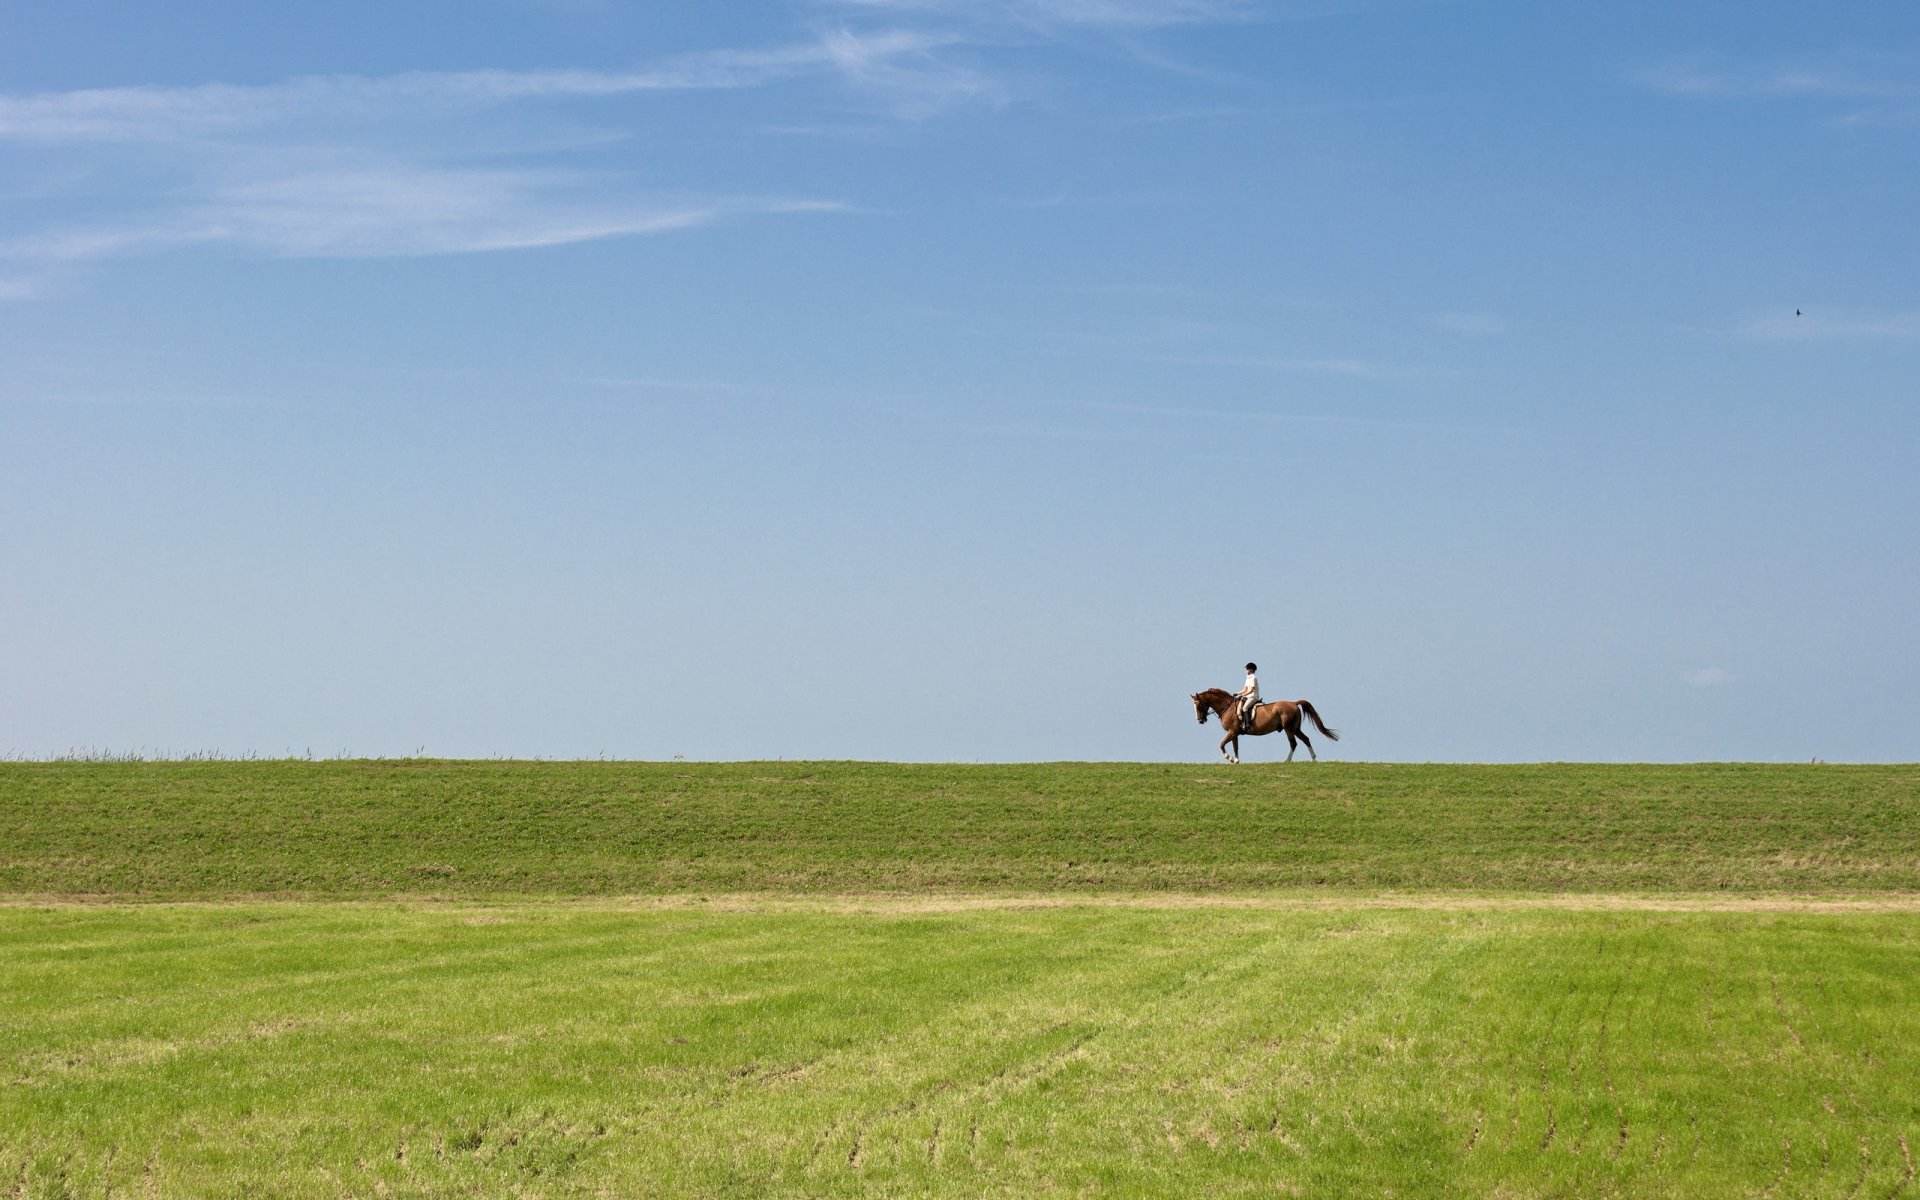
(1223, 745)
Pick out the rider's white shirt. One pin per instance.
(1252, 690)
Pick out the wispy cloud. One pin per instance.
(1819, 326)
(1471, 324)
(1708, 676)
(1057, 14)
(1357, 368)
(371, 208)
(1714, 75)
(902, 70)
(1889, 88)
(881, 60)
(649, 383)
(1130, 199)
(1230, 415)
(439, 162)
(410, 164)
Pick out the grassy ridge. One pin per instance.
(558, 1050)
(177, 830)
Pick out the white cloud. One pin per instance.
(164, 113)
(1054, 14)
(439, 162)
(411, 211)
(904, 74)
(1708, 676)
(411, 164)
(1358, 368)
(1472, 324)
(1822, 326)
(1709, 75)
(362, 209)
(1889, 87)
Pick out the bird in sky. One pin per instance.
(1796, 312)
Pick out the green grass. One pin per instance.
(585, 1050)
(477, 829)
(843, 979)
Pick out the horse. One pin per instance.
(1279, 715)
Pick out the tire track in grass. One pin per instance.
(1613, 1012)
(1820, 1051)
(1669, 1002)
(1866, 1166)
(1513, 1099)
(1241, 956)
(1328, 1031)
(1611, 963)
(117, 1055)
(1007, 1079)
(1786, 1168)
(1631, 1019)
(1243, 964)
(1716, 1041)
(1095, 975)
(1014, 1078)
(1831, 1044)
(1534, 1013)
(1241, 1073)
(1577, 1145)
(1780, 1009)
(306, 988)
(1540, 1058)
(1546, 1096)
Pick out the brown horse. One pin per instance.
(1280, 715)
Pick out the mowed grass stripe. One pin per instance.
(477, 829)
(550, 1050)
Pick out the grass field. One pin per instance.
(470, 829)
(560, 1050)
(844, 980)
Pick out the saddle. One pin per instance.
(1247, 712)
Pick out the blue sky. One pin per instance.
(926, 380)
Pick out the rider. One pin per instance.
(1249, 697)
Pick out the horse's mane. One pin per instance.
(1215, 694)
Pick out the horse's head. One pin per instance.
(1201, 709)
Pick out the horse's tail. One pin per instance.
(1306, 706)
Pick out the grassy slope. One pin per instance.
(480, 828)
(562, 1050)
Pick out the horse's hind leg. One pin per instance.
(1293, 732)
